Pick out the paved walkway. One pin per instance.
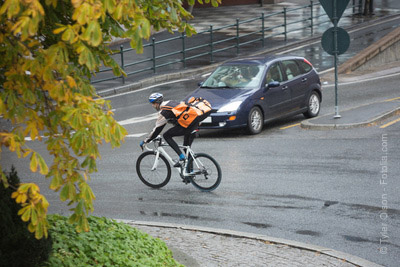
(200, 246)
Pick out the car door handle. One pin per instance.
(285, 87)
(304, 79)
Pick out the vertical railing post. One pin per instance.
(285, 22)
(211, 44)
(153, 43)
(121, 49)
(312, 17)
(262, 29)
(183, 50)
(237, 37)
(354, 7)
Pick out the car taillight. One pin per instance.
(308, 62)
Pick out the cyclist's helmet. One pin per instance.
(156, 98)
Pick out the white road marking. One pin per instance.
(146, 88)
(364, 80)
(139, 119)
(136, 135)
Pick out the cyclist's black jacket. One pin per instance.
(164, 117)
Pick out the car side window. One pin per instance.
(274, 74)
(291, 69)
(305, 67)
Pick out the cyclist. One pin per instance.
(165, 116)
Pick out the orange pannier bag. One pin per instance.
(202, 105)
(187, 113)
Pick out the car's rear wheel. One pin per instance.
(314, 105)
(255, 121)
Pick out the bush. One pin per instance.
(108, 243)
(18, 247)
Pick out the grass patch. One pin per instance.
(108, 243)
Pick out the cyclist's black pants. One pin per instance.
(180, 131)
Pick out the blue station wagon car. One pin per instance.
(252, 91)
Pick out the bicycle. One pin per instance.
(200, 169)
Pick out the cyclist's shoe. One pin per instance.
(186, 180)
(179, 163)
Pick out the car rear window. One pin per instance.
(291, 68)
(305, 66)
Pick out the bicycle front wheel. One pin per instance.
(205, 172)
(153, 172)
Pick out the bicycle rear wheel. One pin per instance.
(157, 177)
(205, 172)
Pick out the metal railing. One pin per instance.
(247, 32)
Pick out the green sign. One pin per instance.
(329, 7)
(328, 41)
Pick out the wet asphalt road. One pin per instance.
(319, 187)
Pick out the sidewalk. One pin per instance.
(200, 246)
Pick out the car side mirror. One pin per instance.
(200, 84)
(272, 85)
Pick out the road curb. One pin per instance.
(309, 125)
(322, 250)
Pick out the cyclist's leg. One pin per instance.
(189, 136)
(188, 140)
(174, 131)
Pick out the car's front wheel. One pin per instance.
(255, 121)
(314, 105)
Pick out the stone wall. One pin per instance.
(384, 51)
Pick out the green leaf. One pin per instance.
(34, 218)
(68, 35)
(4, 179)
(174, 15)
(65, 192)
(39, 231)
(42, 164)
(109, 5)
(56, 182)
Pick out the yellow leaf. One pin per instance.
(27, 214)
(14, 194)
(34, 162)
(31, 228)
(27, 153)
(21, 198)
(59, 30)
(71, 82)
(21, 211)
(76, 3)
(45, 203)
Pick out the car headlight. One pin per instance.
(230, 107)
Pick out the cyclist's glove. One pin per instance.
(142, 144)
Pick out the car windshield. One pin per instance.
(243, 76)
